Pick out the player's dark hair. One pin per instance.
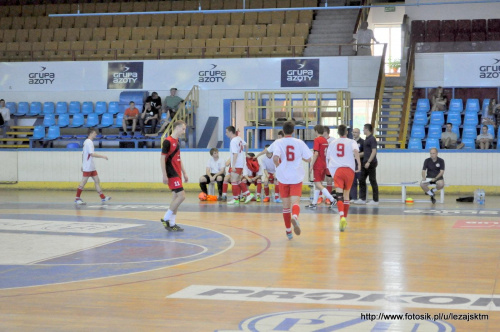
(132, 102)
(281, 133)
(213, 150)
(91, 130)
(177, 124)
(485, 126)
(342, 130)
(369, 127)
(231, 129)
(251, 154)
(449, 123)
(288, 127)
(326, 129)
(319, 129)
(267, 145)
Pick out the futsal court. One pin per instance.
(234, 269)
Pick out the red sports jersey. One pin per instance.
(320, 145)
(172, 153)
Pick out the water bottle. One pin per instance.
(479, 196)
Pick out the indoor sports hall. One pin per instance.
(404, 263)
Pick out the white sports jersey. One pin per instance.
(291, 151)
(237, 146)
(330, 139)
(87, 159)
(340, 153)
(247, 172)
(271, 147)
(215, 166)
(268, 165)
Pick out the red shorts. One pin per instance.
(238, 171)
(343, 178)
(287, 190)
(319, 174)
(89, 174)
(175, 184)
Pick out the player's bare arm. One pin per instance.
(164, 169)
(184, 172)
(95, 155)
(358, 160)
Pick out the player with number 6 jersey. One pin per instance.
(340, 156)
(288, 156)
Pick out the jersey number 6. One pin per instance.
(290, 154)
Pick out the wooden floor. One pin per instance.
(114, 267)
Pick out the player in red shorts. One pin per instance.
(319, 166)
(88, 168)
(269, 170)
(237, 150)
(340, 155)
(171, 167)
(288, 154)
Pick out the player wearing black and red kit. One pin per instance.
(172, 169)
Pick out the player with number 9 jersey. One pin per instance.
(340, 154)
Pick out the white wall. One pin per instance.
(144, 167)
(379, 16)
(454, 11)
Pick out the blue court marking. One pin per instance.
(137, 249)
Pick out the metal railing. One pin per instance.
(407, 98)
(379, 90)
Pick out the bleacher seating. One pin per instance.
(63, 120)
(70, 38)
(456, 105)
(434, 131)
(77, 121)
(420, 118)
(432, 143)
(418, 131)
(455, 119)
(437, 118)
(49, 120)
(61, 107)
(423, 105)
(415, 143)
(470, 143)
(471, 118)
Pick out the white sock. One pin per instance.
(168, 215)
(288, 230)
(172, 220)
(327, 194)
(316, 196)
(430, 193)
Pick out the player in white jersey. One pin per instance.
(288, 155)
(88, 168)
(340, 157)
(214, 172)
(269, 171)
(329, 179)
(237, 150)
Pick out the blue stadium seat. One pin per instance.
(49, 120)
(420, 118)
(106, 121)
(12, 107)
(456, 105)
(417, 131)
(92, 120)
(48, 107)
(432, 143)
(435, 131)
(423, 105)
(472, 105)
(87, 107)
(38, 132)
(469, 132)
(415, 143)
(74, 107)
(491, 130)
(100, 107)
(165, 115)
(114, 107)
(437, 118)
(61, 107)
(470, 143)
(78, 121)
(63, 120)
(35, 108)
(119, 120)
(470, 118)
(22, 108)
(53, 133)
(455, 119)
(72, 146)
(486, 102)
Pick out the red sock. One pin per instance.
(340, 206)
(296, 210)
(244, 188)
(236, 190)
(277, 188)
(224, 187)
(346, 207)
(266, 190)
(259, 187)
(101, 194)
(329, 187)
(287, 217)
(79, 192)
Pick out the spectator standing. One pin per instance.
(5, 116)
(369, 168)
(364, 38)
